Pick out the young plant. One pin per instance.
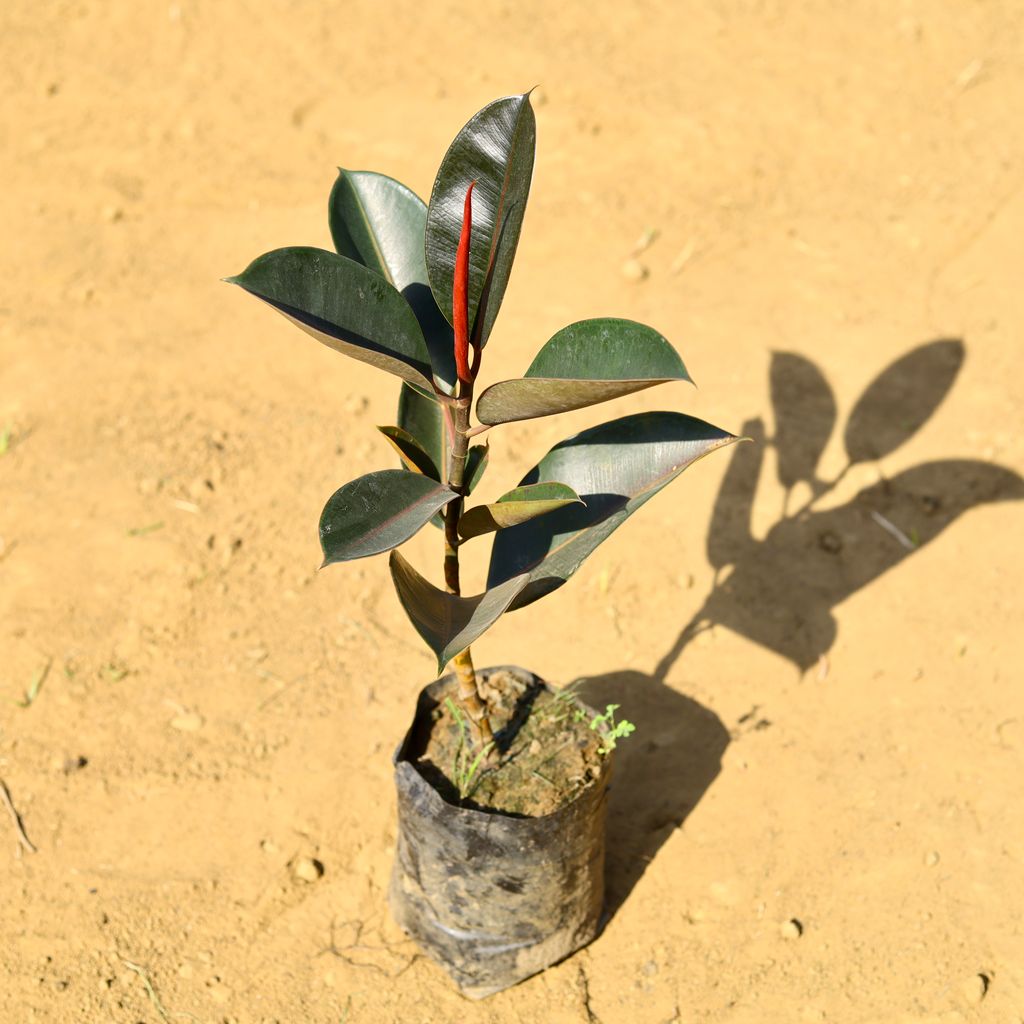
(464, 763)
(612, 731)
(414, 290)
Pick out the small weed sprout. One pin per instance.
(615, 730)
(35, 686)
(464, 770)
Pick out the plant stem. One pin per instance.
(469, 693)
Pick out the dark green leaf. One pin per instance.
(517, 506)
(476, 464)
(615, 468)
(423, 418)
(378, 512)
(447, 623)
(344, 305)
(414, 457)
(583, 364)
(495, 149)
(380, 223)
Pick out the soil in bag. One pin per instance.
(548, 751)
(501, 874)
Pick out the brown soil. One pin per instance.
(547, 753)
(842, 744)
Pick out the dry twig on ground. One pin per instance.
(5, 799)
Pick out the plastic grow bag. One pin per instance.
(494, 898)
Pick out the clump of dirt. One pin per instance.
(547, 752)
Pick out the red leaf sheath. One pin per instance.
(460, 293)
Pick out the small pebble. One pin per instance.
(634, 270)
(791, 929)
(188, 722)
(974, 988)
(931, 858)
(305, 869)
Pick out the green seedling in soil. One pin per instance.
(35, 686)
(414, 289)
(464, 765)
(611, 731)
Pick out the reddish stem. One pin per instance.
(460, 294)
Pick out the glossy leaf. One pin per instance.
(423, 418)
(381, 224)
(413, 455)
(378, 512)
(495, 149)
(449, 624)
(517, 506)
(901, 399)
(615, 468)
(476, 465)
(585, 363)
(344, 305)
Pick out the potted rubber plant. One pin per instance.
(501, 779)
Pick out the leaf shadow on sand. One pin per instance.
(780, 590)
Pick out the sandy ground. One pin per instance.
(842, 748)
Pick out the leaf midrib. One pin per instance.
(387, 275)
(422, 500)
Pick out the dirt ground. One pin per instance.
(818, 818)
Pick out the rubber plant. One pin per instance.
(415, 289)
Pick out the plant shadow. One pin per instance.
(780, 590)
(660, 773)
